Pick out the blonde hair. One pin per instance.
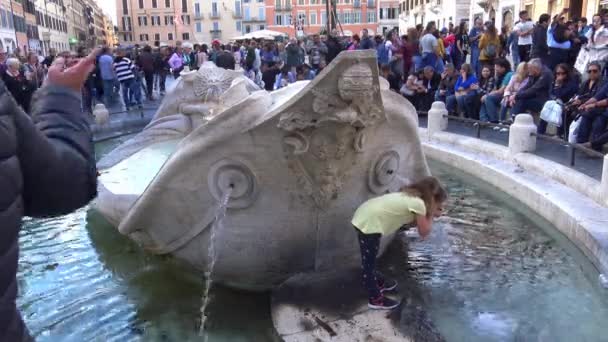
(522, 70)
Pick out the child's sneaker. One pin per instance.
(387, 285)
(382, 303)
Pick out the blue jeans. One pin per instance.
(108, 92)
(439, 66)
(523, 105)
(592, 125)
(464, 102)
(131, 88)
(489, 110)
(417, 63)
(475, 60)
(429, 59)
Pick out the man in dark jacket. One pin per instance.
(366, 41)
(534, 95)
(539, 40)
(334, 47)
(146, 64)
(47, 167)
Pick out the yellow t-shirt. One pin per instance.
(387, 213)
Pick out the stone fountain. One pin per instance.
(297, 163)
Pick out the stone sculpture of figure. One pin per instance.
(296, 161)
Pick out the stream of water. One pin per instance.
(491, 271)
(216, 228)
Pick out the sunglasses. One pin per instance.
(593, 71)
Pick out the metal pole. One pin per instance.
(174, 22)
(572, 155)
(327, 17)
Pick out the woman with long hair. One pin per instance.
(518, 81)
(489, 45)
(565, 87)
(459, 53)
(465, 88)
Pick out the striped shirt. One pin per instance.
(124, 69)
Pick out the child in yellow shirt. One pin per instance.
(417, 203)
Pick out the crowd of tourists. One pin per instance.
(481, 73)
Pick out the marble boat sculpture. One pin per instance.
(297, 163)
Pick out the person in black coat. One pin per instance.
(564, 88)
(540, 49)
(17, 84)
(47, 168)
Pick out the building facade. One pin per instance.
(155, 21)
(215, 19)
(442, 12)
(77, 26)
(111, 38)
(254, 16)
(306, 17)
(388, 16)
(52, 25)
(8, 40)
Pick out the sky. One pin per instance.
(109, 7)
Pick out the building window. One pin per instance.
(199, 27)
(371, 17)
(125, 7)
(186, 36)
(216, 26)
(261, 27)
(323, 18)
(247, 27)
(313, 18)
(277, 3)
(157, 37)
(301, 2)
(237, 8)
(278, 20)
(262, 13)
(197, 8)
(167, 3)
(357, 17)
(184, 6)
(141, 3)
(168, 20)
(154, 3)
(287, 20)
(239, 26)
(169, 36)
(247, 14)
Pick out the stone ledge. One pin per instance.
(573, 213)
(573, 179)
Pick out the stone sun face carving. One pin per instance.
(211, 82)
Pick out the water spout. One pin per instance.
(216, 227)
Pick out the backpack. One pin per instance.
(491, 51)
(382, 54)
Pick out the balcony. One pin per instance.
(254, 20)
(371, 3)
(198, 16)
(214, 15)
(237, 14)
(216, 34)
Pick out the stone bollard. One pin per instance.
(101, 114)
(437, 119)
(522, 134)
(604, 185)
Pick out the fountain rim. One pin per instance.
(569, 200)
